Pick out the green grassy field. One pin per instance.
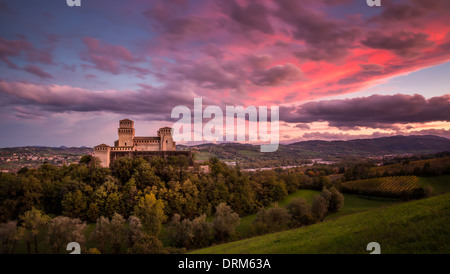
(440, 184)
(421, 226)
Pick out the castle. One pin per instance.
(130, 146)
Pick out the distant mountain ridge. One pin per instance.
(395, 145)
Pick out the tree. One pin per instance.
(271, 220)
(135, 234)
(93, 212)
(181, 163)
(63, 230)
(85, 159)
(202, 232)
(336, 200)
(151, 212)
(122, 169)
(102, 234)
(9, 235)
(225, 222)
(319, 207)
(107, 198)
(129, 197)
(18, 194)
(118, 229)
(300, 212)
(215, 167)
(95, 163)
(33, 223)
(180, 232)
(326, 194)
(74, 204)
(278, 191)
(190, 193)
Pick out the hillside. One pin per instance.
(385, 145)
(303, 152)
(14, 158)
(421, 226)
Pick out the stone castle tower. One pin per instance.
(126, 133)
(130, 145)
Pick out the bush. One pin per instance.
(336, 201)
(271, 220)
(190, 234)
(63, 230)
(300, 212)
(8, 237)
(180, 232)
(202, 231)
(319, 207)
(225, 222)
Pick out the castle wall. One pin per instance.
(103, 154)
(147, 146)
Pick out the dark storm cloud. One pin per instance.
(376, 111)
(302, 126)
(326, 38)
(253, 16)
(403, 43)
(277, 75)
(409, 12)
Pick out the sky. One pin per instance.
(337, 69)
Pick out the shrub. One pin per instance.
(202, 231)
(319, 207)
(300, 211)
(8, 237)
(271, 220)
(336, 201)
(63, 230)
(225, 222)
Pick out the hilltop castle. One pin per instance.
(131, 146)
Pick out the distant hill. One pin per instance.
(415, 144)
(327, 150)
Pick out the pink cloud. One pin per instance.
(37, 71)
(11, 48)
(110, 58)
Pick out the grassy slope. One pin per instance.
(421, 226)
(352, 204)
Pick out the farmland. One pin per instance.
(396, 186)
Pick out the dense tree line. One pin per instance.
(87, 191)
(156, 192)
